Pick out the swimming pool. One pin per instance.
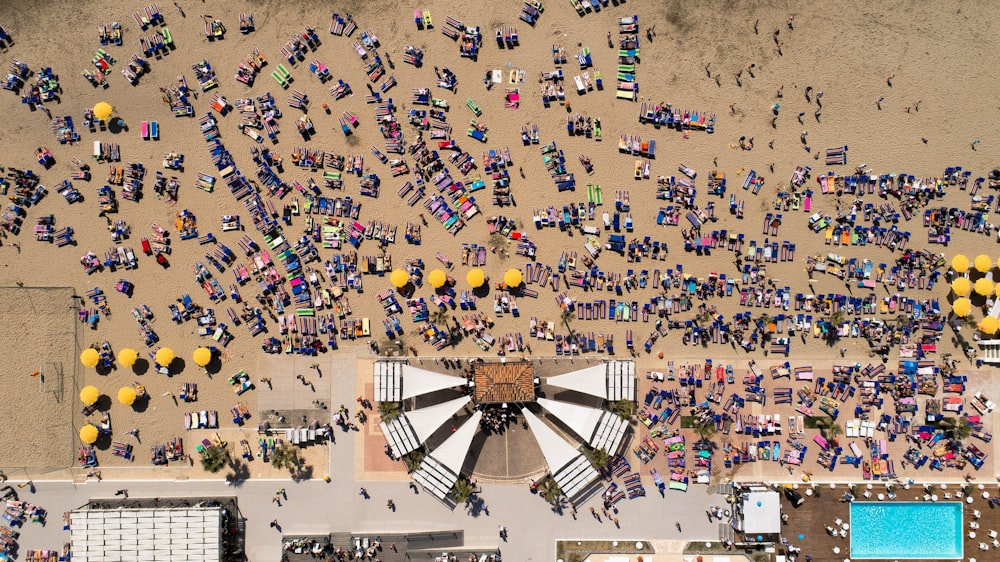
(906, 530)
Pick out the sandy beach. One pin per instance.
(905, 85)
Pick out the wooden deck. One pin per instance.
(817, 513)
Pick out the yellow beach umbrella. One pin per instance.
(983, 286)
(89, 357)
(126, 395)
(983, 263)
(89, 394)
(512, 278)
(202, 356)
(399, 278)
(961, 286)
(960, 263)
(437, 278)
(88, 434)
(164, 356)
(996, 289)
(961, 307)
(128, 356)
(989, 325)
(475, 277)
(102, 110)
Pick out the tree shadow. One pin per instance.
(240, 472)
(301, 472)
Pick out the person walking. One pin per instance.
(391, 505)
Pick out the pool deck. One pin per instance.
(816, 513)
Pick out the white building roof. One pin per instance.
(417, 382)
(762, 512)
(168, 534)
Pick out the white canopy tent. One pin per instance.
(600, 428)
(613, 380)
(169, 534)
(396, 381)
(417, 382)
(441, 468)
(410, 430)
(570, 469)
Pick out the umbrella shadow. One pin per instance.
(116, 126)
(140, 367)
(214, 366)
(103, 403)
(177, 366)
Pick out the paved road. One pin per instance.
(317, 507)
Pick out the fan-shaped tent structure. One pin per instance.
(613, 380)
(568, 466)
(601, 429)
(441, 468)
(410, 430)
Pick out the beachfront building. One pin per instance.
(147, 534)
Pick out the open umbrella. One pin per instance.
(399, 278)
(989, 325)
(164, 357)
(437, 278)
(89, 357)
(89, 394)
(102, 110)
(126, 395)
(983, 287)
(475, 277)
(962, 307)
(512, 278)
(960, 263)
(202, 356)
(128, 356)
(983, 263)
(88, 434)
(961, 286)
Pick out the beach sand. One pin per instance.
(937, 54)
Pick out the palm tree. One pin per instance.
(836, 318)
(834, 431)
(440, 316)
(287, 456)
(961, 427)
(567, 319)
(598, 457)
(413, 459)
(215, 458)
(705, 430)
(623, 408)
(389, 411)
(549, 489)
(462, 490)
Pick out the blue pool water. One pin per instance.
(906, 530)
